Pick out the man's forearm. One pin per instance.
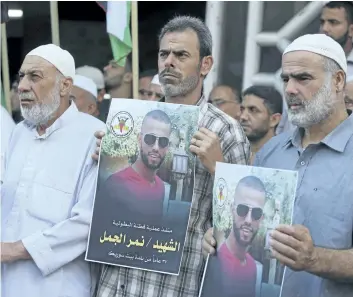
(336, 265)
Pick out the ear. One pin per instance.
(275, 119)
(339, 81)
(206, 65)
(101, 95)
(127, 78)
(65, 87)
(350, 31)
(92, 108)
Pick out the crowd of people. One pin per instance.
(50, 149)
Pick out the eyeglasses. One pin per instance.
(243, 210)
(151, 139)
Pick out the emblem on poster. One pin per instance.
(222, 192)
(122, 124)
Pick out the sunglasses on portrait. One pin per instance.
(243, 210)
(151, 139)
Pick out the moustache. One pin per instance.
(155, 154)
(294, 101)
(26, 96)
(170, 72)
(245, 226)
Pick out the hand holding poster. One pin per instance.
(145, 186)
(248, 202)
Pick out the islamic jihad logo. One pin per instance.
(221, 192)
(122, 124)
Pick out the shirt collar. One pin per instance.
(202, 101)
(336, 140)
(62, 121)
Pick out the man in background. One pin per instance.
(336, 21)
(118, 79)
(155, 89)
(233, 272)
(144, 83)
(118, 84)
(15, 101)
(261, 110)
(226, 99)
(97, 76)
(84, 94)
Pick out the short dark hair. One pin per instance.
(182, 23)
(347, 5)
(233, 90)
(147, 73)
(252, 182)
(271, 97)
(158, 115)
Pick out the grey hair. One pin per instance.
(182, 23)
(331, 65)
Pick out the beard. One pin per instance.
(41, 113)
(184, 87)
(237, 231)
(112, 82)
(312, 111)
(154, 166)
(255, 135)
(342, 40)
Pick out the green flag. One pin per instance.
(118, 15)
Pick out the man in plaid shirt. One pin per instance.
(184, 60)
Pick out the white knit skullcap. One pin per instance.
(320, 44)
(155, 80)
(93, 73)
(61, 59)
(86, 84)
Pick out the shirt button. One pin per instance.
(302, 163)
(122, 287)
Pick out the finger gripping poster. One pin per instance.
(144, 187)
(248, 203)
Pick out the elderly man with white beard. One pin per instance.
(317, 249)
(49, 184)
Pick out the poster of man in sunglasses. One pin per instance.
(145, 186)
(248, 203)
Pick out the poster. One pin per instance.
(144, 187)
(248, 202)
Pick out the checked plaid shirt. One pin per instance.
(123, 282)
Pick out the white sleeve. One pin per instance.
(53, 248)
